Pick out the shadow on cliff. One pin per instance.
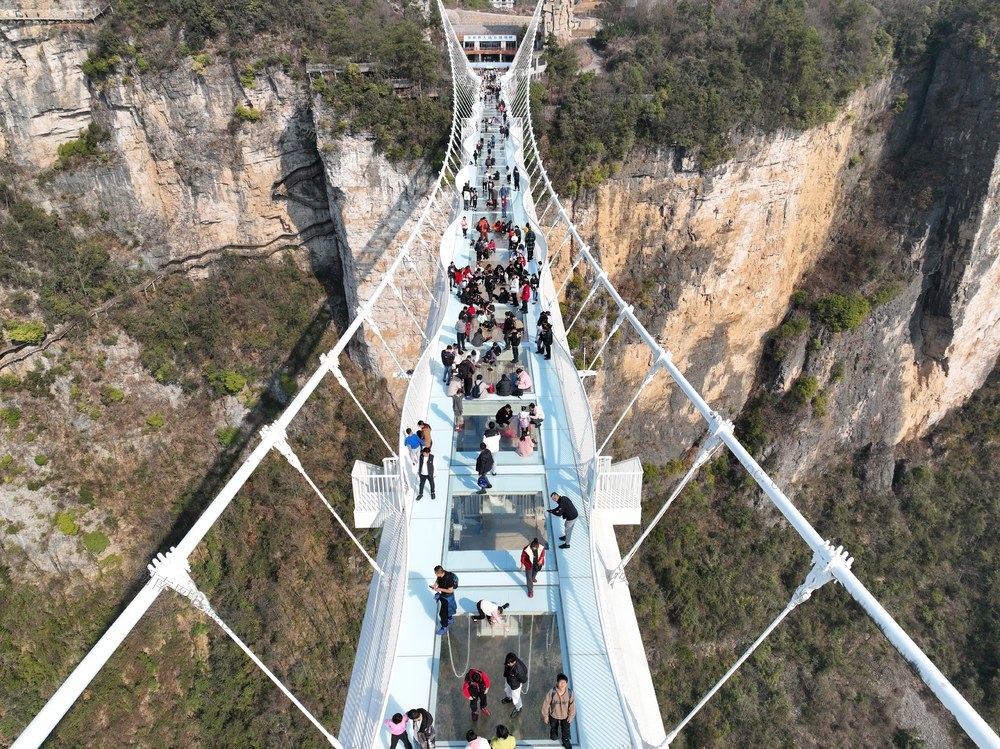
(303, 188)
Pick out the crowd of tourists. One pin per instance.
(495, 293)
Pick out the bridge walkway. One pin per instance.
(564, 604)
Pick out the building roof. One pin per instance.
(480, 22)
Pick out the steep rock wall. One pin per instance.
(375, 203)
(716, 255)
(180, 173)
(924, 353)
(715, 258)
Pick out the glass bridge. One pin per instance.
(580, 621)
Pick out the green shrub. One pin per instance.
(885, 294)
(226, 382)
(854, 161)
(904, 738)
(32, 332)
(899, 102)
(66, 523)
(155, 421)
(98, 67)
(820, 403)
(800, 298)
(199, 63)
(86, 145)
(802, 392)
(41, 460)
(288, 384)
(248, 77)
(837, 372)
(11, 416)
(840, 313)
(227, 435)
(9, 381)
(111, 394)
(247, 114)
(791, 328)
(96, 542)
(573, 340)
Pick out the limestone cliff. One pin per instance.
(375, 203)
(182, 173)
(181, 180)
(713, 259)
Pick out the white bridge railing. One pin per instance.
(829, 563)
(368, 694)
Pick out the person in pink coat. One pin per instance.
(397, 728)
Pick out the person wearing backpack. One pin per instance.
(475, 687)
(559, 710)
(515, 673)
(484, 465)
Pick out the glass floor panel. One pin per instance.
(470, 436)
(497, 520)
(469, 644)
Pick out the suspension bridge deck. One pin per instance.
(485, 550)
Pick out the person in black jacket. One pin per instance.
(545, 340)
(514, 339)
(447, 359)
(426, 472)
(529, 244)
(505, 414)
(467, 371)
(484, 464)
(567, 511)
(515, 673)
(423, 727)
(505, 387)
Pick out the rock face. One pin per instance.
(715, 258)
(375, 203)
(181, 173)
(181, 178)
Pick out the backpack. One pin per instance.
(455, 576)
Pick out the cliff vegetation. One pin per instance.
(696, 75)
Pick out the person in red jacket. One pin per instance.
(532, 560)
(475, 687)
